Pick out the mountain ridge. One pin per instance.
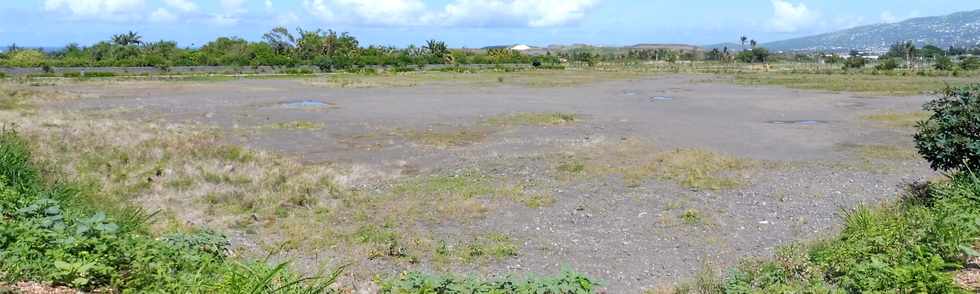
(960, 29)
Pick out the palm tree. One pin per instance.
(753, 43)
(126, 39)
(909, 49)
(743, 39)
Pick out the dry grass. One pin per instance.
(479, 78)
(195, 180)
(532, 119)
(638, 162)
(294, 125)
(446, 138)
(863, 83)
(903, 120)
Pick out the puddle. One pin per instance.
(661, 98)
(797, 122)
(305, 104)
(631, 92)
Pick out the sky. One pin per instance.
(461, 23)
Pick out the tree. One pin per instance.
(753, 43)
(280, 40)
(128, 38)
(910, 50)
(743, 39)
(887, 64)
(930, 51)
(944, 63)
(855, 61)
(714, 54)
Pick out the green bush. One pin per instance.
(888, 64)
(567, 282)
(944, 63)
(855, 62)
(950, 138)
(48, 234)
(970, 63)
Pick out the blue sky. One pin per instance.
(462, 23)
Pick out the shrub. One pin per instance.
(855, 62)
(970, 63)
(888, 64)
(944, 63)
(950, 138)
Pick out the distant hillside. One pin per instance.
(681, 47)
(957, 29)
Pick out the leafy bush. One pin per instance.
(48, 234)
(855, 61)
(970, 63)
(567, 282)
(950, 138)
(888, 64)
(944, 63)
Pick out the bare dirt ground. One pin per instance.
(652, 179)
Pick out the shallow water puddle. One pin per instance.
(309, 103)
(797, 122)
(661, 98)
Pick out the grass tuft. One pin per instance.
(533, 119)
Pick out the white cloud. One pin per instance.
(789, 17)
(182, 5)
(96, 9)
(162, 15)
(888, 17)
(233, 6)
(268, 4)
(530, 13)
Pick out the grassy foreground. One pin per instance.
(51, 233)
(54, 233)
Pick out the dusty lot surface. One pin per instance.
(640, 183)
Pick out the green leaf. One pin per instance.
(62, 265)
(969, 251)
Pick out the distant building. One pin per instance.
(521, 47)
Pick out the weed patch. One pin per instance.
(447, 139)
(533, 119)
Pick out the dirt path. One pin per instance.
(812, 154)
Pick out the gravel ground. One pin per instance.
(632, 238)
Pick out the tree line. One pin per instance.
(326, 49)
